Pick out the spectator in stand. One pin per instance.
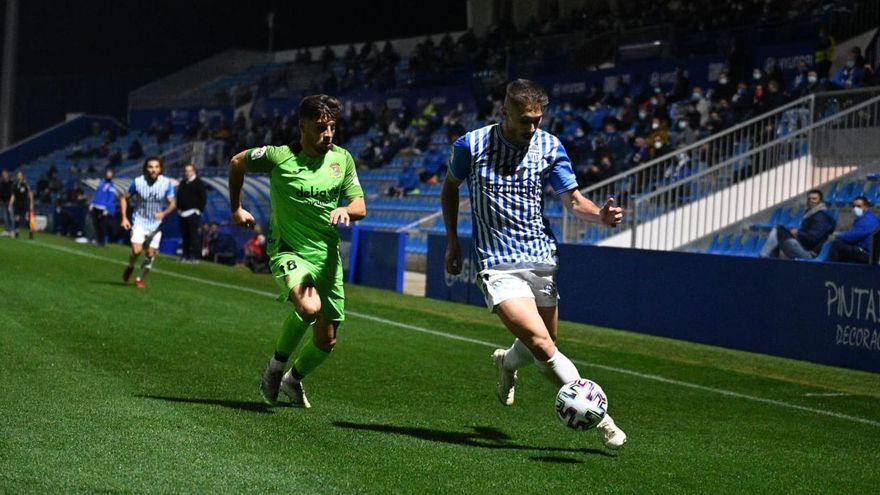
(851, 75)
(854, 245)
(407, 182)
(5, 198)
(255, 252)
(191, 197)
(825, 46)
(806, 240)
(103, 206)
(135, 150)
(724, 88)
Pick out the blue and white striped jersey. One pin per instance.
(152, 198)
(507, 186)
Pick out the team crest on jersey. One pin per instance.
(335, 170)
(258, 153)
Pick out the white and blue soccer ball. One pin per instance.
(581, 404)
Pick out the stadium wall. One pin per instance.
(378, 260)
(827, 313)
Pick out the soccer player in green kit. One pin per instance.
(308, 181)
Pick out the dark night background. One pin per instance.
(87, 56)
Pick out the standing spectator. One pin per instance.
(103, 206)
(255, 252)
(22, 204)
(5, 197)
(854, 245)
(804, 241)
(824, 53)
(191, 197)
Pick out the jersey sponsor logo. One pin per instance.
(335, 170)
(258, 153)
(323, 195)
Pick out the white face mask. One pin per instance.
(682, 124)
(756, 75)
(850, 64)
(658, 144)
(722, 80)
(858, 211)
(812, 79)
(696, 96)
(642, 115)
(655, 125)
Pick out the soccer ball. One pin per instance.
(581, 404)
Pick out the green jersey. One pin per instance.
(304, 190)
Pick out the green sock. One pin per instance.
(308, 358)
(291, 333)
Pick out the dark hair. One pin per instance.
(157, 159)
(525, 93)
(316, 106)
(816, 191)
(866, 201)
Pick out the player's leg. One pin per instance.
(137, 246)
(293, 275)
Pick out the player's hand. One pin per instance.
(453, 258)
(340, 215)
(159, 216)
(243, 218)
(611, 215)
(126, 224)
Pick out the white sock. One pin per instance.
(276, 365)
(289, 378)
(517, 356)
(558, 369)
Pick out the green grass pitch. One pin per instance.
(105, 388)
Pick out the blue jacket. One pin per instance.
(860, 232)
(105, 197)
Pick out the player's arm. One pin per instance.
(123, 206)
(352, 190)
(459, 169)
(585, 209)
(564, 183)
(252, 160)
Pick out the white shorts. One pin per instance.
(501, 285)
(139, 235)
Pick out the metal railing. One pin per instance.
(686, 161)
(740, 186)
(705, 154)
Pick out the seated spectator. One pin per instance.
(135, 150)
(805, 241)
(255, 252)
(850, 75)
(407, 182)
(854, 245)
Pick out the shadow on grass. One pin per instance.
(109, 282)
(556, 459)
(250, 406)
(482, 436)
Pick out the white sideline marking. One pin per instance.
(646, 376)
(825, 394)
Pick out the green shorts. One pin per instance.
(290, 270)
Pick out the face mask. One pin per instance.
(658, 144)
(682, 124)
(850, 63)
(653, 101)
(655, 125)
(756, 75)
(642, 115)
(722, 80)
(812, 79)
(858, 211)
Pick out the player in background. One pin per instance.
(155, 193)
(507, 167)
(308, 181)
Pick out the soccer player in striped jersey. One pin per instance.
(507, 167)
(308, 182)
(155, 194)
